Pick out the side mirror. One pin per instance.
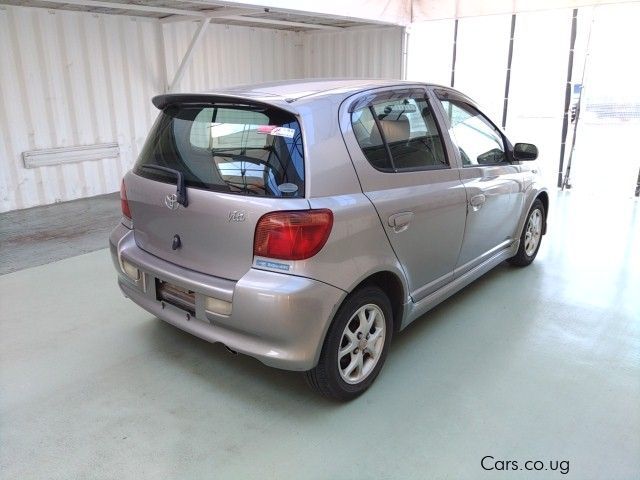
(525, 152)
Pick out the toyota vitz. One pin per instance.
(305, 223)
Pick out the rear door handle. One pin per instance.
(477, 201)
(400, 221)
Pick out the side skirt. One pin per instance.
(415, 310)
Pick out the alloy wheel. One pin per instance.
(361, 343)
(533, 232)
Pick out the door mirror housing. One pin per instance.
(525, 152)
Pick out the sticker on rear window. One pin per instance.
(277, 131)
(288, 187)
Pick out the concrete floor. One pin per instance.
(41, 235)
(541, 363)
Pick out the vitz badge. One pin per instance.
(237, 216)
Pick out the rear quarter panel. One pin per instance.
(357, 246)
(329, 171)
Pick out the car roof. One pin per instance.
(296, 89)
(292, 94)
(309, 90)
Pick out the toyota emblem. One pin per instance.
(171, 201)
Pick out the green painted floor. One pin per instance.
(541, 363)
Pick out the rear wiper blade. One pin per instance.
(181, 189)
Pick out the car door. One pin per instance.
(403, 166)
(494, 185)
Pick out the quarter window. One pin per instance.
(369, 139)
(399, 134)
(477, 139)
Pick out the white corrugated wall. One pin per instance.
(358, 52)
(72, 78)
(232, 55)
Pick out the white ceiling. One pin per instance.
(308, 15)
(281, 14)
(440, 9)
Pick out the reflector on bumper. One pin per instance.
(130, 270)
(215, 305)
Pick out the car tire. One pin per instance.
(531, 236)
(351, 355)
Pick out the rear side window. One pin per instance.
(399, 134)
(247, 150)
(369, 139)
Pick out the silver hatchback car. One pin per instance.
(305, 223)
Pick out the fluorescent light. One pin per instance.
(60, 156)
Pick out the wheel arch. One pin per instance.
(391, 283)
(544, 198)
(393, 286)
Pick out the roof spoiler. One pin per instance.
(163, 101)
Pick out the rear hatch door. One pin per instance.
(238, 159)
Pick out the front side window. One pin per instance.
(478, 141)
(235, 149)
(399, 134)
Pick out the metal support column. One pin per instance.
(567, 95)
(453, 60)
(405, 53)
(197, 37)
(508, 78)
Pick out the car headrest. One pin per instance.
(397, 130)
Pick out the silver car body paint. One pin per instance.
(281, 310)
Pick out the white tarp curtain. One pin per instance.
(538, 71)
(404, 12)
(610, 106)
(441, 9)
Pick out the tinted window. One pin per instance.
(478, 141)
(369, 139)
(253, 151)
(409, 130)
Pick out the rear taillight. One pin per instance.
(292, 235)
(124, 203)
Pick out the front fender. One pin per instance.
(534, 191)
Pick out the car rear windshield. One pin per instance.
(242, 149)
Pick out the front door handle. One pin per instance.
(400, 221)
(477, 201)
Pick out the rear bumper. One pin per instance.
(276, 318)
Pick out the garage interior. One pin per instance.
(535, 363)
